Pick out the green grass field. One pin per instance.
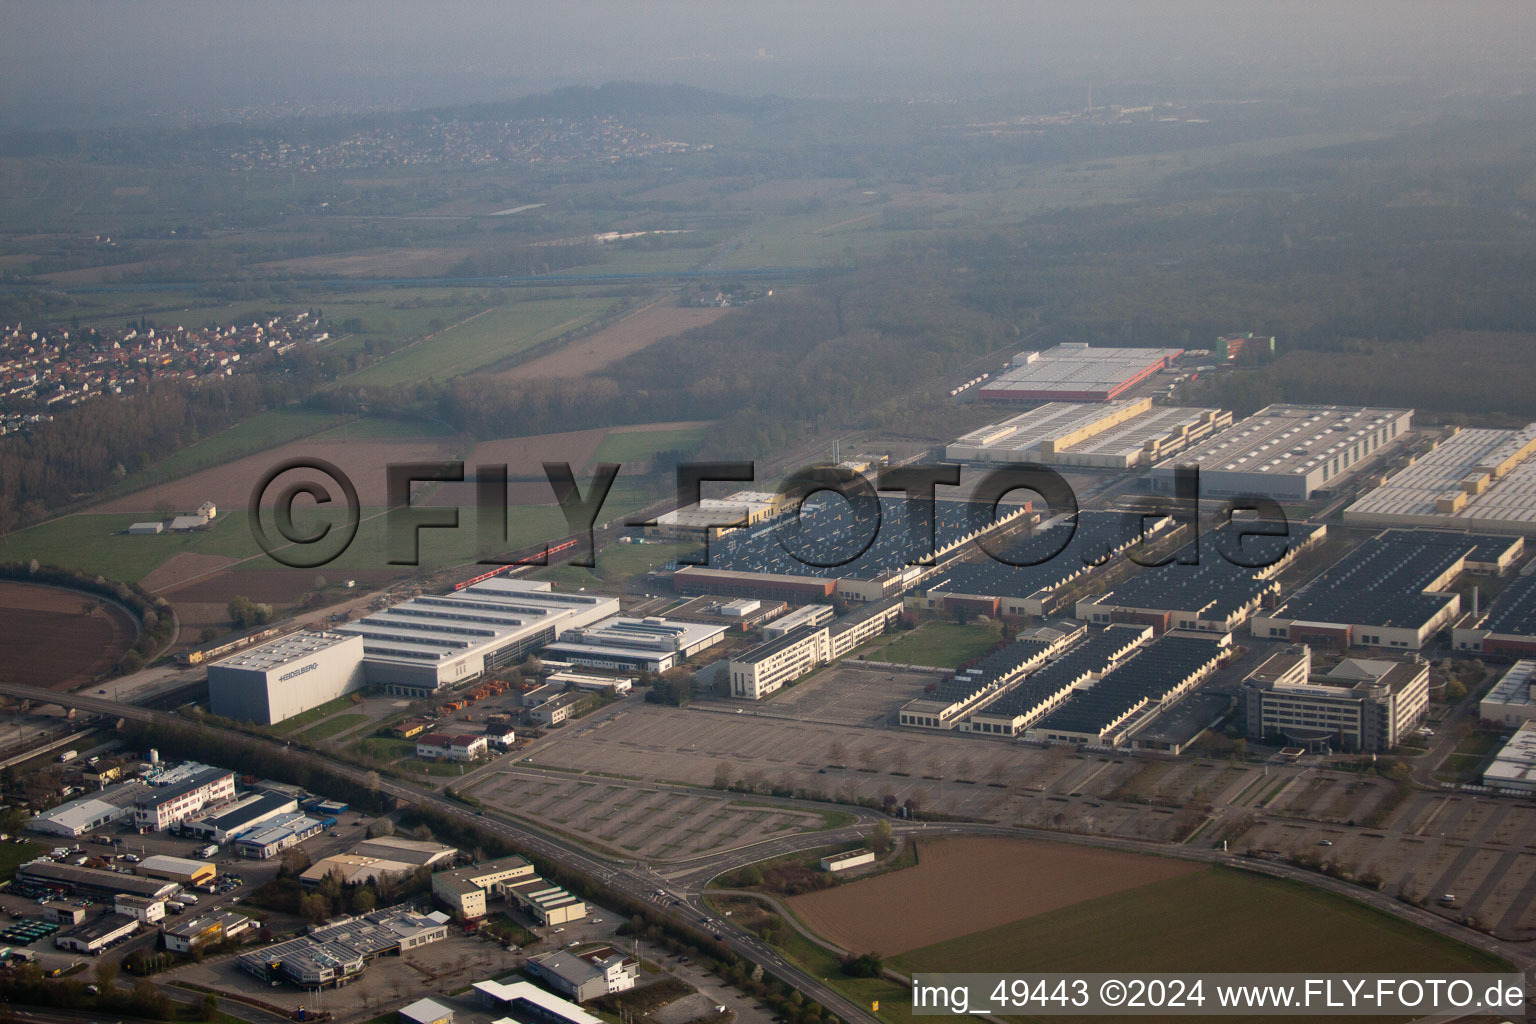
(332, 727)
(1264, 924)
(313, 715)
(941, 644)
(260, 432)
(384, 749)
(1216, 920)
(625, 446)
(488, 338)
(98, 544)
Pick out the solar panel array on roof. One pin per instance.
(1091, 657)
(1099, 535)
(989, 671)
(1382, 582)
(826, 539)
(1148, 676)
(1514, 611)
(1215, 587)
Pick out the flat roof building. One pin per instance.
(1365, 705)
(847, 861)
(824, 551)
(1133, 690)
(544, 901)
(465, 890)
(1203, 588)
(249, 811)
(88, 813)
(807, 615)
(419, 852)
(1118, 435)
(338, 951)
(285, 677)
(275, 835)
(1392, 591)
(98, 934)
(715, 517)
(531, 1003)
(1481, 480)
(1507, 627)
(176, 869)
(1513, 769)
(652, 644)
(1512, 701)
(414, 648)
(1289, 452)
(964, 690)
(425, 1011)
(764, 669)
(1077, 372)
(589, 683)
(354, 869)
(189, 934)
(181, 793)
(82, 881)
(1030, 574)
(557, 708)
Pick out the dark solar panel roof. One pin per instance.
(1514, 612)
(830, 531)
(1381, 583)
(1094, 654)
(1099, 533)
(1148, 675)
(998, 665)
(1214, 585)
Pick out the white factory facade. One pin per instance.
(1118, 435)
(285, 677)
(1289, 452)
(411, 649)
(640, 645)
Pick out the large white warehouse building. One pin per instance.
(409, 650)
(429, 642)
(285, 677)
(1288, 452)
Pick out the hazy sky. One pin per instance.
(71, 61)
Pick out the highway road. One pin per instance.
(631, 878)
(677, 890)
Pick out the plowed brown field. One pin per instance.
(961, 886)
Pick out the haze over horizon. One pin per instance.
(79, 64)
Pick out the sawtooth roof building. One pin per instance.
(827, 551)
(1482, 480)
(1118, 436)
(1392, 591)
(1289, 452)
(414, 648)
(1507, 627)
